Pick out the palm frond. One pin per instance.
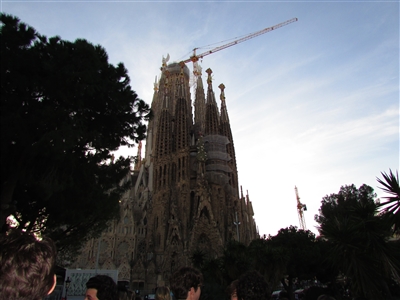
(390, 184)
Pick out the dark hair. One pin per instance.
(252, 286)
(106, 287)
(183, 280)
(325, 297)
(26, 266)
(163, 293)
(125, 294)
(232, 287)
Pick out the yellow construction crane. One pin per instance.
(300, 209)
(195, 57)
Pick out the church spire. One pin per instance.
(154, 103)
(212, 114)
(152, 126)
(163, 140)
(138, 162)
(182, 121)
(224, 111)
(225, 129)
(166, 95)
(181, 87)
(199, 103)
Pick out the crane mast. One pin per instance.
(301, 208)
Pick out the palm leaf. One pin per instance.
(390, 185)
(391, 207)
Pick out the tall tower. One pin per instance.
(190, 175)
(185, 195)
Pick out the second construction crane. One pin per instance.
(301, 208)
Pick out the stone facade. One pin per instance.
(185, 196)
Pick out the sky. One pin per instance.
(314, 104)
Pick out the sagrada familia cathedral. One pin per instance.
(185, 196)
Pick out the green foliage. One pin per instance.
(391, 207)
(198, 259)
(355, 241)
(64, 108)
(299, 246)
(358, 239)
(291, 253)
(326, 271)
(212, 270)
(235, 260)
(269, 260)
(213, 274)
(300, 255)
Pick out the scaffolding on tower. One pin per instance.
(301, 208)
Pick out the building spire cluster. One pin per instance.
(185, 195)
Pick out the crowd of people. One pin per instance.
(27, 272)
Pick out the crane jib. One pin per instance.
(195, 57)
